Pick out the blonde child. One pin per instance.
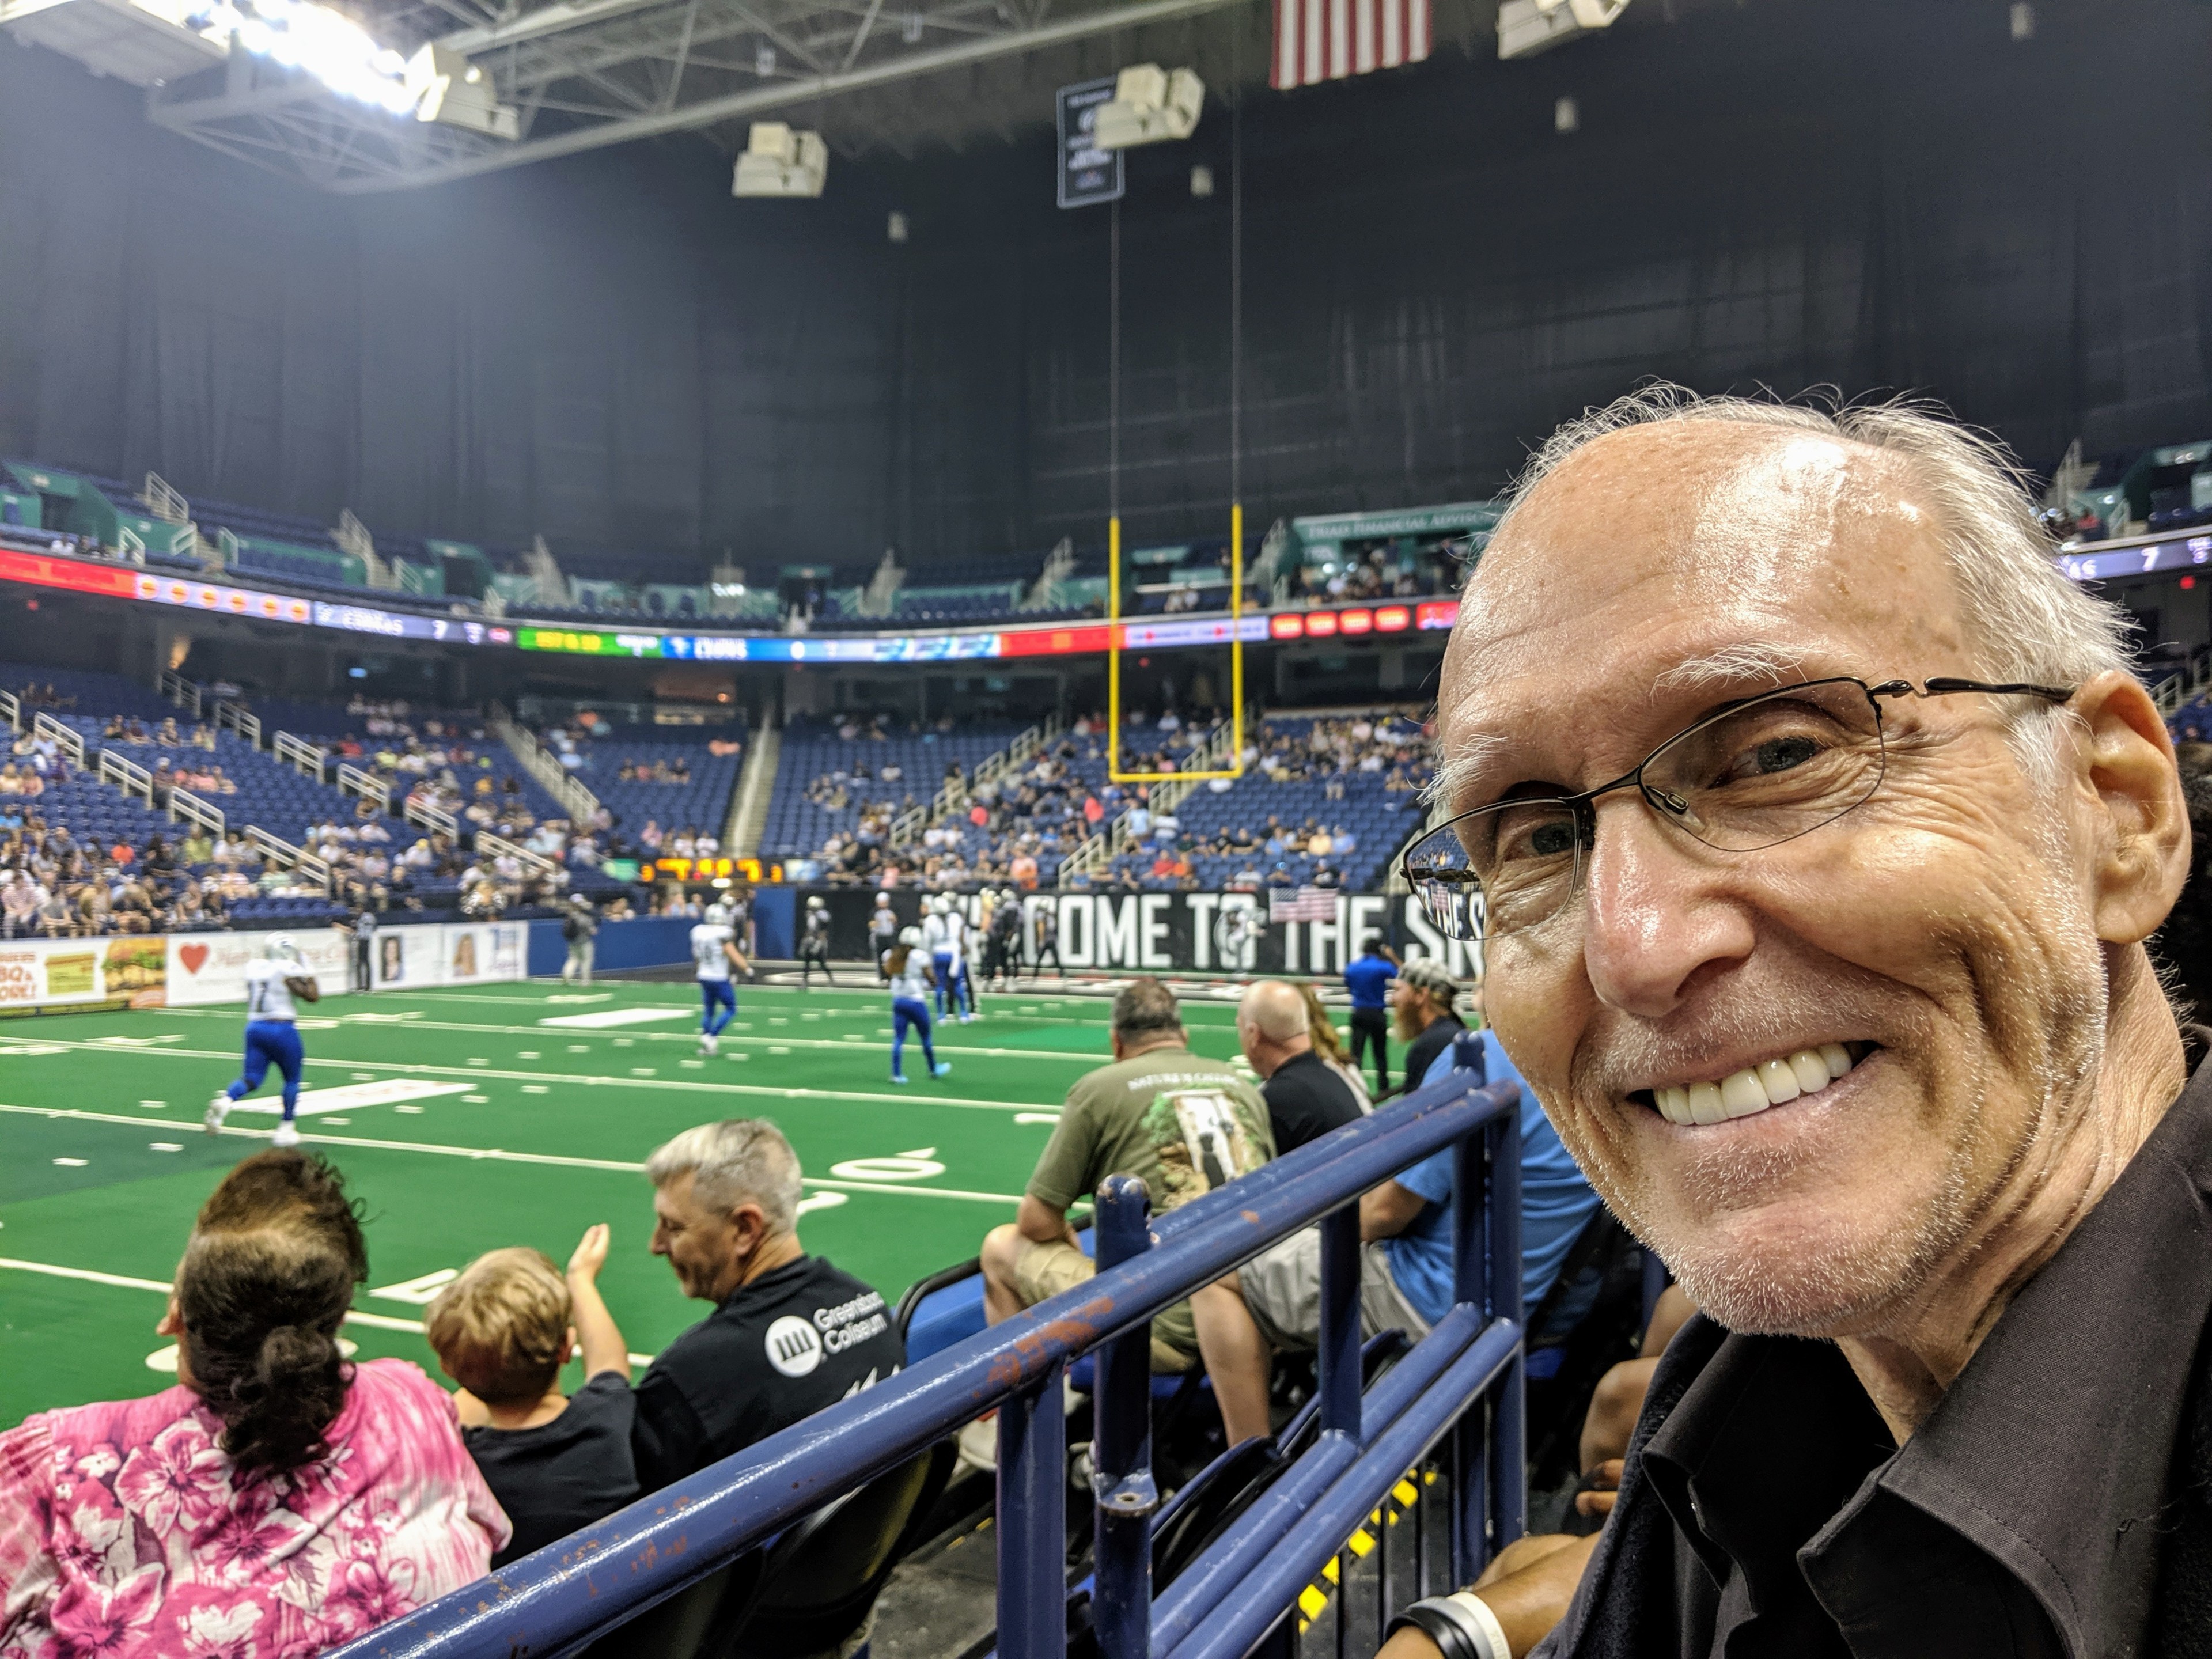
(503, 1330)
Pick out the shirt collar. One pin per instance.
(2086, 1373)
(1764, 1407)
(774, 1279)
(2107, 1331)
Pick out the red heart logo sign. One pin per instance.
(192, 956)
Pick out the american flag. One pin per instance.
(1306, 904)
(1318, 40)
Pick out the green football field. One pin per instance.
(503, 1114)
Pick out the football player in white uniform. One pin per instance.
(907, 966)
(714, 951)
(273, 980)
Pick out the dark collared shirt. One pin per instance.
(2056, 1504)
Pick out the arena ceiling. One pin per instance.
(896, 76)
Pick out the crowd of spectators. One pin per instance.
(55, 883)
(52, 886)
(1201, 846)
(1017, 827)
(1389, 571)
(32, 695)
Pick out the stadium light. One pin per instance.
(778, 161)
(302, 35)
(1526, 27)
(449, 89)
(1149, 106)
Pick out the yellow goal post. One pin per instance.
(1113, 647)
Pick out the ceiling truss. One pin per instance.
(585, 74)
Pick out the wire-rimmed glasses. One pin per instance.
(1755, 774)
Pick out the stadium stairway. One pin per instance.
(741, 836)
(578, 802)
(949, 804)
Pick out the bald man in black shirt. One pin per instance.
(1305, 1099)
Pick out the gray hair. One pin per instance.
(740, 1160)
(2025, 619)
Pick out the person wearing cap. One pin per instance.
(1423, 996)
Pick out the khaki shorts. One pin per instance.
(1046, 1270)
(1282, 1288)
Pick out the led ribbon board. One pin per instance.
(1118, 640)
(70, 572)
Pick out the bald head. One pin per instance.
(1664, 506)
(1272, 1025)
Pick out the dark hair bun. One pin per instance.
(266, 1281)
(297, 1391)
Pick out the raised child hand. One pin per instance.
(590, 1253)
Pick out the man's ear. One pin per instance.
(2143, 841)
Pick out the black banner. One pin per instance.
(1173, 933)
(1088, 175)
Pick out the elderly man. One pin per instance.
(1183, 1123)
(789, 1334)
(1813, 824)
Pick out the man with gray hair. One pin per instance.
(789, 1334)
(1811, 824)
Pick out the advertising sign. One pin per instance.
(130, 971)
(1088, 175)
(460, 953)
(1186, 933)
(478, 953)
(192, 970)
(211, 968)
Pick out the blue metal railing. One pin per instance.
(1468, 1367)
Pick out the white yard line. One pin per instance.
(377, 1322)
(691, 1039)
(872, 994)
(499, 1155)
(590, 1080)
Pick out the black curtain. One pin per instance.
(1870, 194)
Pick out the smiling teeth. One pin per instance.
(1755, 1088)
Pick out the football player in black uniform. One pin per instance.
(814, 942)
(1002, 945)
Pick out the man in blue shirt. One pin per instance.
(1274, 1301)
(1556, 1202)
(1368, 978)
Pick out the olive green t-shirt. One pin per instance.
(1180, 1123)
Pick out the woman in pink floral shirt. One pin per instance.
(279, 1501)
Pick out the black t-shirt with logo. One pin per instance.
(564, 1475)
(779, 1349)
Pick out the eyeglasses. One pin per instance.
(1760, 772)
